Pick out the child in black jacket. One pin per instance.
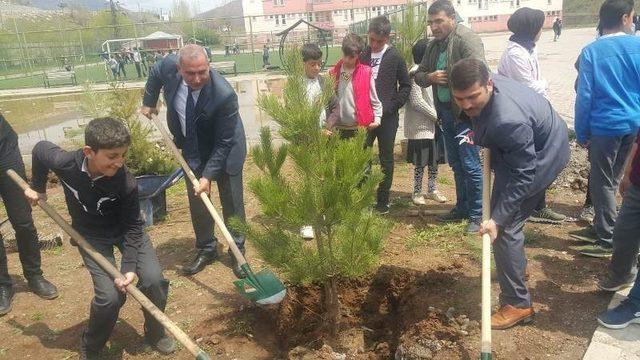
(102, 199)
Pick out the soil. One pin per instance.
(421, 302)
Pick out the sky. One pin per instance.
(203, 5)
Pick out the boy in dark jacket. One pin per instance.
(102, 199)
(393, 87)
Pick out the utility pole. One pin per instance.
(114, 18)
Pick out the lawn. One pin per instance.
(97, 73)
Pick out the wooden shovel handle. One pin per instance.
(205, 198)
(180, 335)
(486, 258)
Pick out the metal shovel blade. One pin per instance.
(264, 287)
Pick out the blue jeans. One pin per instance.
(464, 160)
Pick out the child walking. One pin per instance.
(422, 130)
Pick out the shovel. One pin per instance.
(264, 287)
(485, 344)
(114, 273)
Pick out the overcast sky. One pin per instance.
(203, 5)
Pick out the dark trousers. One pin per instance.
(231, 198)
(607, 155)
(624, 263)
(508, 253)
(19, 212)
(139, 69)
(107, 300)
(386, 135)
(464, 160)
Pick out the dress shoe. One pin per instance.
(199, 263)
(237, 271)
(6, 295)
(164, 345)
(509, 316)
(42, 287)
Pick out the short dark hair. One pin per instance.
(468, 72)
(442, 5)
(352, 44)
(418, 50)
(380, 26)
(311, 52)
(611, 12)
(106, 133)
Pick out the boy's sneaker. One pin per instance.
(306, 232)
(418, 200)
(436, 196)
(601, 249)
(587, 214)
(546, 216)
(451, 216)
(611, 284)
(620, 316)
(584, 235)
(382, 209)
(165, 345)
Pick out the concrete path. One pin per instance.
(609, 344)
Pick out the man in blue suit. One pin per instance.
(203, 117)
(529, 148)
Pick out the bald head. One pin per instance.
(191, 52)
(193, 65)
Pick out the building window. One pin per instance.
(284, 21)
(352, 17)
(548, 2)
(278, 2)
(277, 20)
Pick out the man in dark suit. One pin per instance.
(529, 148)
(203, 117)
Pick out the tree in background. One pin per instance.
(326, 187)
(410, 25)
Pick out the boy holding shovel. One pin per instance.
(102, 199)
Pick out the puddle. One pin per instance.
(51, 117)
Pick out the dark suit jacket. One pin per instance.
(528, 142)
(393, 84)
(221, 139)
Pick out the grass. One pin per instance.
(444, 181)
(37, 316)
(532, 236)
(98, 73)
(442, 237)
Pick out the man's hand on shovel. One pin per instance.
(203, 187)
(148, 111)
(489, 227)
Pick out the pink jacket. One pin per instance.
(361, 82)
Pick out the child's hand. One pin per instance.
(121, 284)
(33, 196)
(372, 126)
(327, 132)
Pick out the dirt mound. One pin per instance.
(576, 174)
(390, 315)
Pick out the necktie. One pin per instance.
(190, 149)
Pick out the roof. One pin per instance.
(160, 35)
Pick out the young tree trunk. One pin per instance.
(331, 305)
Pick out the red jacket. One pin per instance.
(361, 82)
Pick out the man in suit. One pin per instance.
(529, 148)
(203, 117)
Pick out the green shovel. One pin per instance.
(264, 287)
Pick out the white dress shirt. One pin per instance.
(180, 104)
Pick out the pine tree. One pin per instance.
(326, 186)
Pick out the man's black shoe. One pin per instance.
(200, 262)
(6, 296)
(237, 271)
(42, 287)
(451, 216)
